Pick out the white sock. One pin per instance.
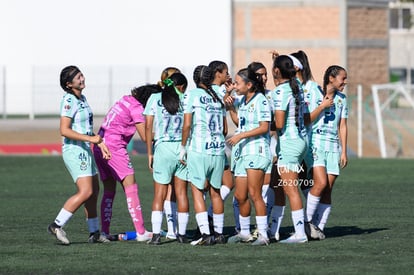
(170, 216)
(277, 217)
(182, 222)
(244, 225)
(298, 222)
(224, 192)
(93, 224)
(218, 221)
(322, 215)
(63, 217)
(156, 220)
(261, 222)
(311, 206)
(202, 222)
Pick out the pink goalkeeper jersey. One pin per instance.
(118, 126)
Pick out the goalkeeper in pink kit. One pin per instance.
(119, 126)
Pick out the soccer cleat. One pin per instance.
(239, 238)
(204, 240)
(170, 236)
(295, 239)
(59, 233)
(156, 239)
(315, 232)
(197, 234)
(219, 238)
(255, 233)
(97, 237)
(277, 236)
(261, 240)
(182, 238)
(146, 236)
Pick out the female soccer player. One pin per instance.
(290, 120)
(170, 205)
(118, 127)
(222, 85)
(76, 126)
(164, 116)
(204, 129)
(329, 146)
(253, 140)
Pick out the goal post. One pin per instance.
(395, 89)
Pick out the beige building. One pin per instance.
(350, 33)
(353, 34)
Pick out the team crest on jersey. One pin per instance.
(340, 103)
(251, 108)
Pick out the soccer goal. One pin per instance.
(387, 92)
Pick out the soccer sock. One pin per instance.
(277, 217)
(218, 221)
(311, 205)
(106, 210)
(63, 217)
(93, 224)
(224, 192)
(134, 207)
(323, 214)
(236, 213)
(182, 222)
(244, 225)
(202, 221)
(169, 209)
(261, 222)
(156, 220)
(298, 222)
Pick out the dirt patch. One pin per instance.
(30, 137)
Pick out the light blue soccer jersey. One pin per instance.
(220, 90)
(82, 117)
(283, 100)
(325, 134)
(269, 96)
(207, 125)
(167, 127)
(309, 89)
(250, 115)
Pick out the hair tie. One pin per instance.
(296, 62)
(168, 82)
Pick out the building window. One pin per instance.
(400, 18)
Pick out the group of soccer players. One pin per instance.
(278, 132)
